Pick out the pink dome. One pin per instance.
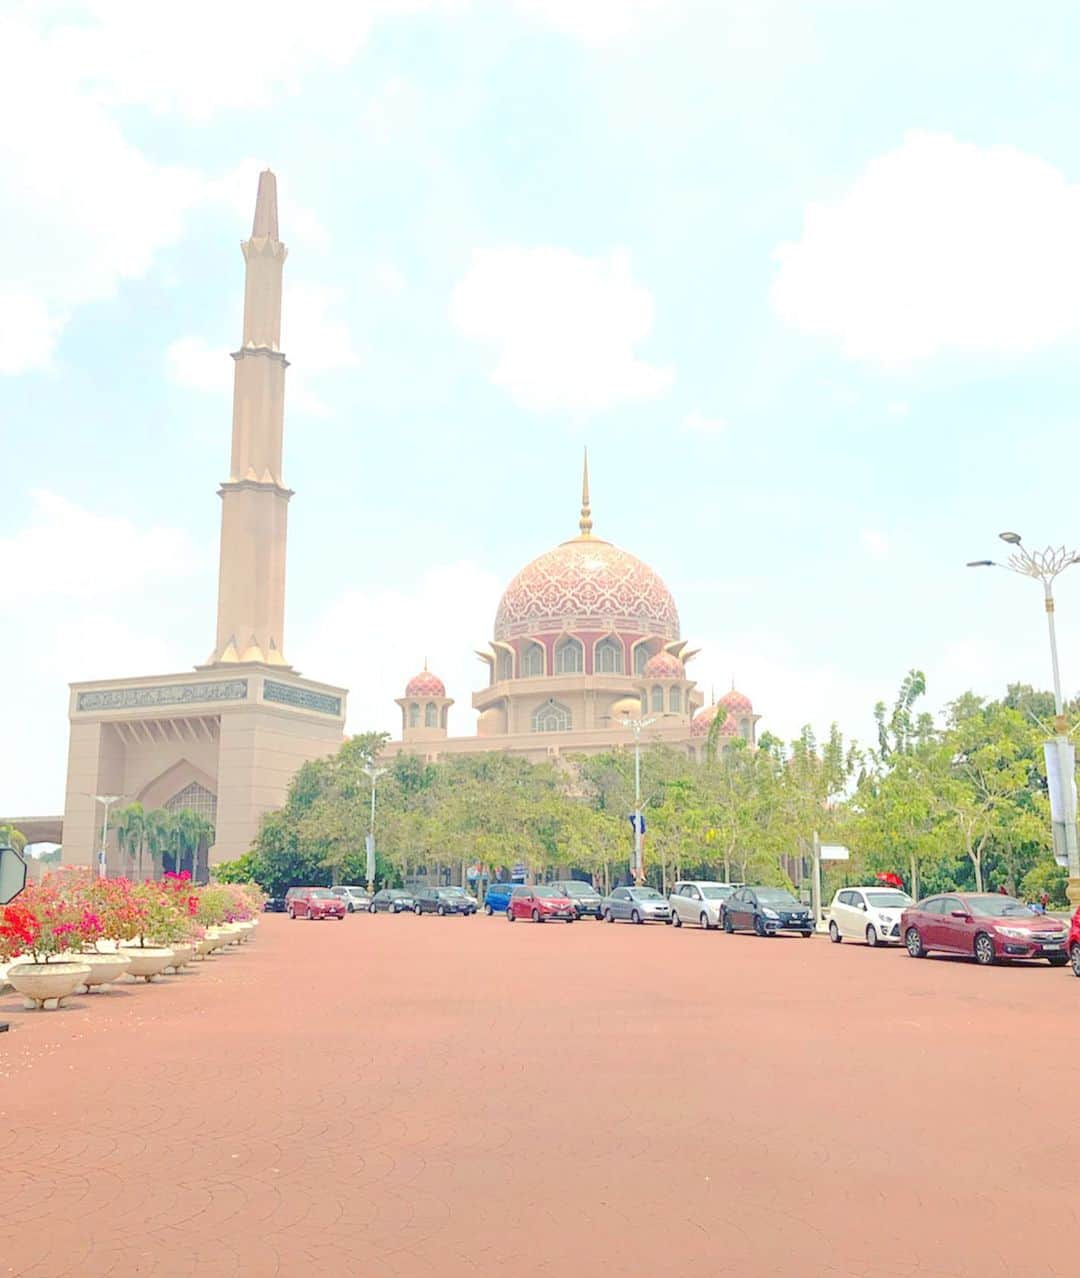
(663, 666)
(702, 722)
(737, 702)
(425, 684)
(586, 584)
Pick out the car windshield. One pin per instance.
(888, 900)
(553, 889)
(996, 907)
(321, 894)
(774, 896)
(452, 891)
(578, 889)
(646, 894)
(716, 893)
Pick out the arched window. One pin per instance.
(644, 703)
(414, 715)
(532, 661)
(445, 712)
(551, 717)
(569, 657)
(194, 798)
(504, 668)
(431, 715)
(641, 657)
(744, 728)
(675, 700)
(658, 699)
(609, 657)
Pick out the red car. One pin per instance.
(540, 903)
(314, 903)
(988, 926)
(1074, 943)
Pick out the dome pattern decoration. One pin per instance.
(425, 684)
(663, 666)
(587, 580)
(736, 702)
(702, 722)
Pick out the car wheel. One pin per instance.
(704, 921)
(759, 926)
(914, 944)
(488, 911)
(441, 912)
(635, 917)
(728, 928)
(984, 950)
(609, 917)
(417, 909)
(1074, 954)
(536, 916)
(834, 932)
(675, 920)
(341, 918)
(872, 937)
(351, 908)
(1057, 960)
(293, 917)
(509, 915)
(371, 909)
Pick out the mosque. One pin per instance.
(586, 648)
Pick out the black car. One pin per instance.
(274, 905)
(585, 897)
(443, 901)
(766, 911)
(394, 900)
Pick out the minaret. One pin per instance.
(585, 522)
(255, 502)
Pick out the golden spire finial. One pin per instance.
(585, 523)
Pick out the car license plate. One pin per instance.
(1053, 945)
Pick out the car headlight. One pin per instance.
(1014, 931)
(770, 914)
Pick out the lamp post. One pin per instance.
(106, 800)
(1045, 566)
(637, 726)
(373, 773)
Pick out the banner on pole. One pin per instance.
(369, 843)
(1061, 779)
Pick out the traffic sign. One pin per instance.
(12, 875)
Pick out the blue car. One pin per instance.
(497, 898)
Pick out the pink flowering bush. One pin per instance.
(43, 922)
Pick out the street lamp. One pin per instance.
(637, 726)
(1045, 566)
(373, 773)
(107, 800)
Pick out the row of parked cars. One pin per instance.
(988, 927)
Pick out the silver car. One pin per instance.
(700, 901)
(355, 898)
(636, 905)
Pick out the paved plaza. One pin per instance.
(450, 1097)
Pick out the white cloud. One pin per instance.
(373, 642)
(698, 424)
(390, 279)
(874, 542)
(598, 22)
(563, 327)
(939, 245)
(67, 551)
(898, 408)
(194, 363)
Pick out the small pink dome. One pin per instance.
(425, 684)
(702, 722)
(736, 702)
(663, 666)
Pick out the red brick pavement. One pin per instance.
(403, 1097)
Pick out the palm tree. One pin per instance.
(130, 827)
(157, 835)
(188, 832)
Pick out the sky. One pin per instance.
(805, 278)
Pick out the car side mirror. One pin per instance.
(961, 914)
(862, 906)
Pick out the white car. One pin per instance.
(870, 914)
(355, 898)
(699, 901)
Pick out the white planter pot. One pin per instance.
(182, 953)
(148, 961)
(42, 983)
(217, 938)
(103, 968)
